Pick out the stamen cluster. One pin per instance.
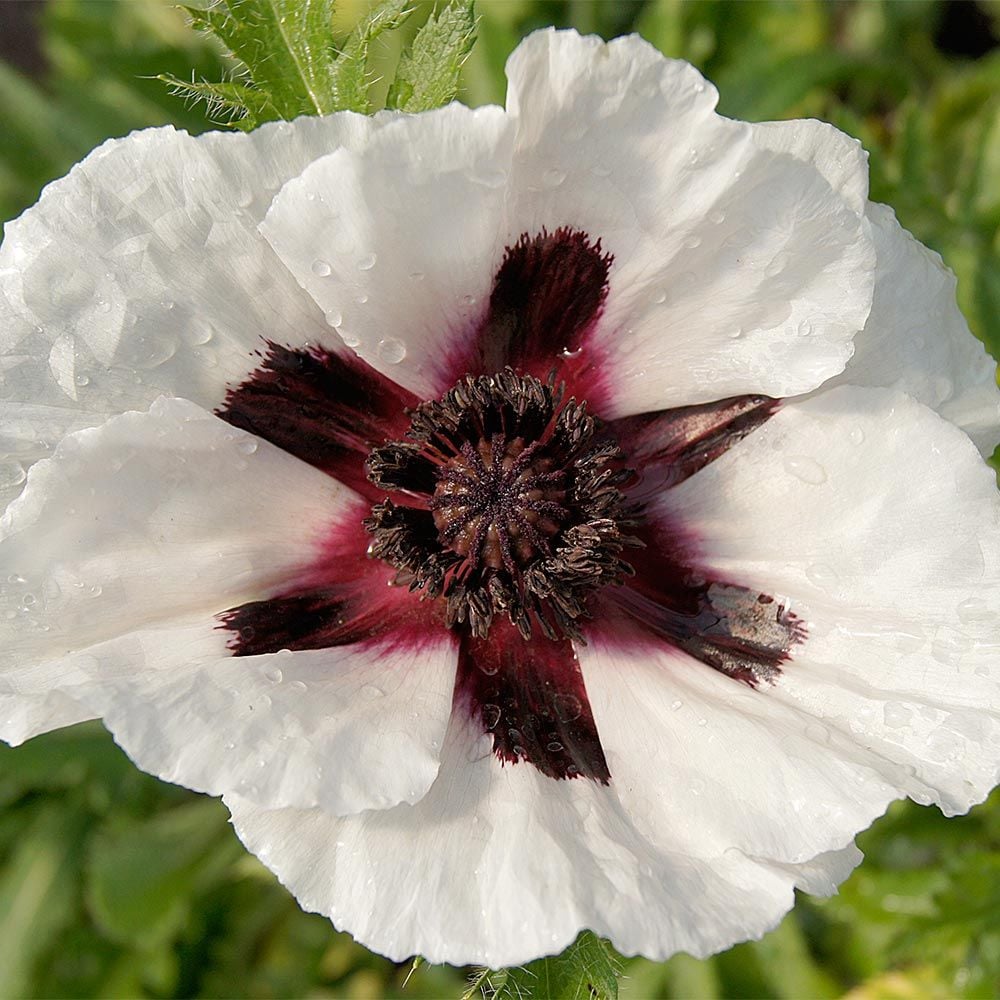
(512, 504)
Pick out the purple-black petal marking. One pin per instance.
(327, 408)
(530, 697)
(671, 445)
(546, 299)
(736, 630)
(342, 599)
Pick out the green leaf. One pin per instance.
(233, 102)
(428, 72)
(587, 970)
(142, 876)
(38, 888)
(286, 46)
(350, 72)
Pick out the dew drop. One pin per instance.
(805, 328)
(229, 746)
(568, 707)
(717, 217)
(703, 722)
(350, 339)
(11, 474)
(298, 686)
(554, 747)
(321, 268)
(247, 445)
(974, 611)
(372, 692)
(692, 241)
(823, 576)
(805, 468)
(659, 297)
(491, 716)
(367, 263)
(736, 334)
(492, 178)
(273, 674)
(778, 264)
(391, 350)
(896, 715)
(856, 435)
(676, 706)
(417, 276)
(554, 177)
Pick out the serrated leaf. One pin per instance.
(428, 73)
(350, 72)
(235, 103)
(286, 46)
(587, 970)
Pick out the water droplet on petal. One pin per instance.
(825, 577)
(717, 217)
(11, 474)
(805, 468)
(298, 686)
(896, 715)
(856, 435)
(391, 350)
(321, 268)
(692, 241)
(248, 445)
(805, 328)
(554, 177)
(568, 707)
(273, 674)
(676, 705)
(371, 691)
(974, 611)
(367, 262)
(491, 716)
(778, 264)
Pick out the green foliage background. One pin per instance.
(114, 885)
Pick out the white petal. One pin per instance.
(152, 516)
(916, 339)
(499, 865)
(714, 234)
(704, 764)
(880, 524)
(142, 273)
(740, 264)
(126, 544)
(349, 729)
(398, 243)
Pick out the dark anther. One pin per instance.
(507, 505)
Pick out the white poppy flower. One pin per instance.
(660, 656)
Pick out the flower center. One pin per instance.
(511, 503)
(500, 502)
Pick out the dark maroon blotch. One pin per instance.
(530, 697)
(671, 445)
(738, 631)
(545, 303)
(327, 408)
(345, 597)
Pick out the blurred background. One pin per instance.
(115, 885)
